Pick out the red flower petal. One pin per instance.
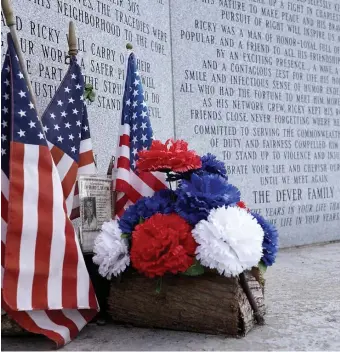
(173, 155)
(162, 244)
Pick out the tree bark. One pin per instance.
(206, 304)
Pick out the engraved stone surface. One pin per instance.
(103, 28)
(256, 82)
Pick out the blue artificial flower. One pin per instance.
(270, 240)
(211, 165)
(161, 202)
(195, 198)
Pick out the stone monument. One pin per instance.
(256, 82)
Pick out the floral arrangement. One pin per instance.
(200, 225)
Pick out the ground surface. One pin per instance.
(303, 301)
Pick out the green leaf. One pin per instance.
(195, 270)
(125, 235)
(88, 86)
(92, 96)
(141, 220)
(262, 266)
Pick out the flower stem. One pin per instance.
(168, 177)
(159, 286)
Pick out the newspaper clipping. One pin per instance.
(95, 196)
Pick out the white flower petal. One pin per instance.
(111, 251)
(230, 240)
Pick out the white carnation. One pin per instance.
(230, 240)
(111, 250)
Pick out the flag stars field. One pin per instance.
(22, 113)
(31, 124)
(21, 133)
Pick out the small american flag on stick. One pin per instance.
(67, 130)
(45, 285)
(135, 135)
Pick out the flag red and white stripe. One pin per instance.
(129, 185)
(45, 284)
(69, 171)
(45, 276)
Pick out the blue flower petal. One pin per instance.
(195, 198)
(270, 240)
(161, 202)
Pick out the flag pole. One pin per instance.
(10, 21)
(72, 40)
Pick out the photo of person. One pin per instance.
(90, 214)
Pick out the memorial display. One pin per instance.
(257, 83)
(200, 229)
(215, 94)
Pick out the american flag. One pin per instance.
(67, 131)
(45, 285)
(135, 135)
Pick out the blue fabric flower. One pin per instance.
(211, 165)
(161, 202)
(195, 198)
(270, 240)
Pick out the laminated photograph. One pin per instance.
(95, 197)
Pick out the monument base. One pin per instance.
(209, 303)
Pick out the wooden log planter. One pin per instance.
(205, 304)
(210, 304)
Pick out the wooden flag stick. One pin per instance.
(10, 21)
(72, 40)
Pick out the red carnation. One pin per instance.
(162, 244)
(171, 156)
